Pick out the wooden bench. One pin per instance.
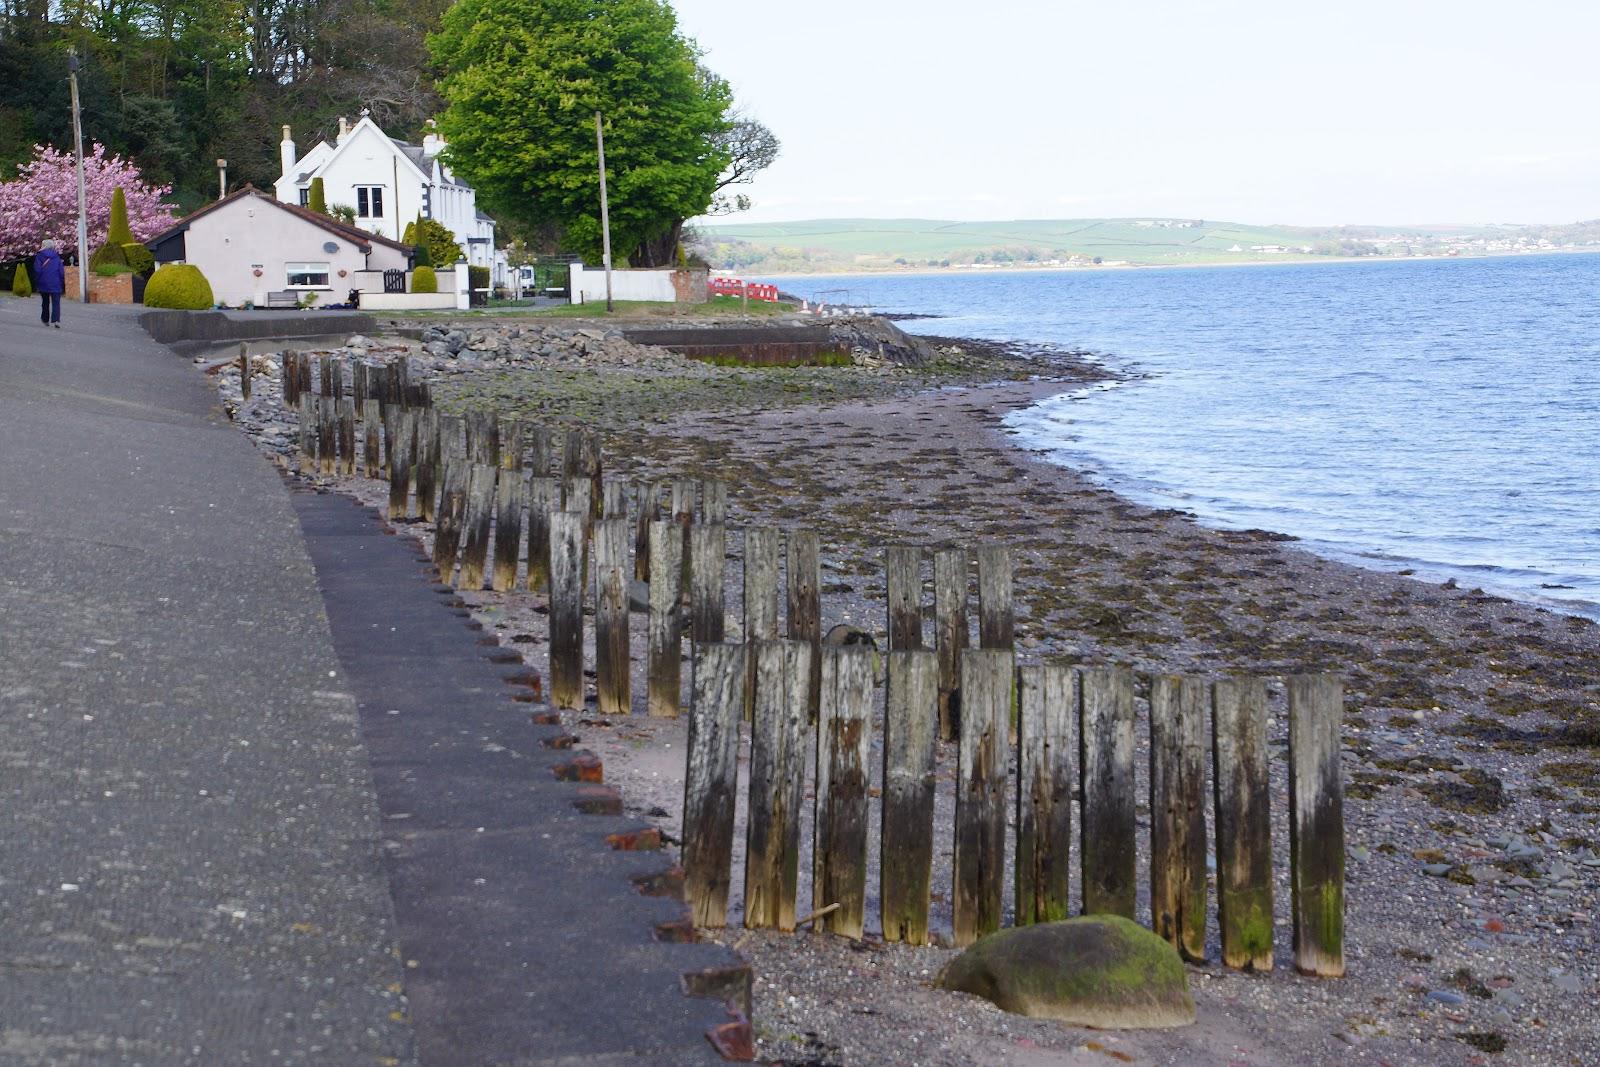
(283, 299)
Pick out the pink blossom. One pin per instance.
(43, 201)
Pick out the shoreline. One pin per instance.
(1473, 784)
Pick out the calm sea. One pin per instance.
(1436, 415)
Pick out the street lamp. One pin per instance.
(83, 197)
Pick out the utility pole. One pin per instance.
(605, 211)
(83, 196)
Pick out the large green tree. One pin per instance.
(523, 79)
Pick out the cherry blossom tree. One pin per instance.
(42, 201)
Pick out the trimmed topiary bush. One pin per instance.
(108, 257)
(317, 200)
(424, 280)
(178, 285)
(118, 233)
(21, 284)
(140, 258)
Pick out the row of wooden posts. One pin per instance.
(802, 696)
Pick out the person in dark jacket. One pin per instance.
(50, 279)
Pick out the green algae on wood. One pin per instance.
(1243, 822)
(1316, 824)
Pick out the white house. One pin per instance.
(390, 183)
(249, 244)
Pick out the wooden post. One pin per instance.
(336, 377)
(538, 444)
(571, 453)
(244, 369)
(649, 511)
(613, 686)
(1178, 813)
(576, 499)
(483, 437)
(325, 376)
(997, 619)
(1243, 801)
(289, 376)
(1316, 824)
(452, 511)
(511, 444)
(710, 780)
(987, 677)
(1044, 792)
(511, 502)
(358, 383)
(400, 468)
(615, 502)
(1105, 760)
(544, 498)
(347, 438)
(840, 827)
(427, 442)
(666, 620)
(308, 431)
(591, 467)
(303, 369)
(566, 610)
(372, 439)
(803, 578)
(903, 571)
(950, 576)
(327, 435)
(708, 549)
(714, 502)
(475, 531)
(777, 782)
(907, 811)
(760, 585)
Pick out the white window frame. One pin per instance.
(308, 267)
(364, 199)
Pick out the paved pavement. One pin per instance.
(192, 858)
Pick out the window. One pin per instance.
(305, 198)
(369, 201)
(307, 275)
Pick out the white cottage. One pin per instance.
(250, 245)
(389, 183)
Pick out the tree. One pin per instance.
(43, 201)
(434, 237)
(117, 231)
(318, 200)
(522, 80)
(751, 148)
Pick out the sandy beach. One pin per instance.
(1470, 762)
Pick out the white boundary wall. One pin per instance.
(589, 285)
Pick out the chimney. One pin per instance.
(344, 128)
(286, 151)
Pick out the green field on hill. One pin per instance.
(876, 244)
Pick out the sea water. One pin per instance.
(1431, 415)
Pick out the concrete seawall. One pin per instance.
(211, 327)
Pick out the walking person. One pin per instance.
(50, 277)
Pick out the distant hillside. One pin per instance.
(824, 245)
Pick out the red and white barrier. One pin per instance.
(739, 287)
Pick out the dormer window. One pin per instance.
(369, 201)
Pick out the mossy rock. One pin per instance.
(180, 286)
(1102, 971)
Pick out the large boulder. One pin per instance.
(1098, 970)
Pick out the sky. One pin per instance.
(1265, 111)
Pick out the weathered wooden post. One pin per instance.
(997, 617)
(327, 435)
(708, 549)
(483, 437)
(666, 620)
(950, 577)
(1105, 760)
(244, 369)
(511, 444)
(538, 445)
(400, 468)
(576, 499)
(1178, 813)
(303, 369)
(511, 501)
(777, 782)
(760, 585)
(803, 577)
(903, 573)
(358, 383)
(325, 376)
(591, 467)
(1244, 822)
(714, 502)
(427, 442)
(289, 376)
(987, 677)
(710, 780)
(844, 740)
(308, 431)
(1044, 792)
(1316, 824)
(907, 811)
(566, 610)
(480, 513)
(372, 440)
(615, 502)
(649, 511)
(544, 498)
(613, 685)
(347, 438)
(452, 512)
